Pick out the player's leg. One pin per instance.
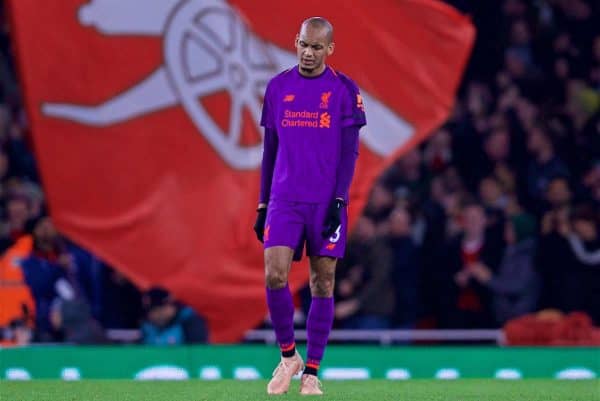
(278, 260)
(324, 253)
(283, 230)
(321, 312)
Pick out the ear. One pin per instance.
(330, 48)
(296, 40)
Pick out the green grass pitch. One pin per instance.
(375, 390)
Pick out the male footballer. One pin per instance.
(312, 115)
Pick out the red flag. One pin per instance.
(145, 123)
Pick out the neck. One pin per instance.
(312, 73)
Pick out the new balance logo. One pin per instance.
(325, 120)
(289, 98)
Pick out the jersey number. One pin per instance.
(336, 236)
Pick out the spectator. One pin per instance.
(516, 285)
(43, 270)
(381, 203)
(365, 293)
(18, 333)
(407, 179)
(121, 301)
(438, 152)
(405, 269)
(15, 296)
(584, 242)
(169, 322)
(464, 302)
(18, 212)
(544, 166)
(74, 319)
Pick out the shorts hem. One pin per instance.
(271, 245)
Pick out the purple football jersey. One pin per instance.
(309, 115)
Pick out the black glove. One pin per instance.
(259, 226)
(333, 218)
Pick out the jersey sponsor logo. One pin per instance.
(289, 98)
(325, 100)
(305, 119)
(325, 120)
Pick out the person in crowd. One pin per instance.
(73, 319)
(169, 322)
(405, 269)
(515, 286)
(464, 302)
(365, 291)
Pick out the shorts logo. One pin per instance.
(289, 98)
(330, 247)
(325, 100)
(266, 232)
(359, 102)
(325, 120)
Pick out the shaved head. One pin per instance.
(318, 23)
(314, 43)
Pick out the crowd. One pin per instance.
(495, 216)
(498, 213)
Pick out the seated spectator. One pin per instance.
(169, 322)
(17, 333)
(515, 285)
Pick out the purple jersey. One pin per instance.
(308, 115)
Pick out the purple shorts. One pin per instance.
(292, 224)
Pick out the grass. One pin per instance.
(234, 390)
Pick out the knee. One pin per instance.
(275, 279)
(275, 275)
(321, 285)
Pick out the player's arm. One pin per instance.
(270, 145)
(353, 117)
(348, 156)
(345, 172)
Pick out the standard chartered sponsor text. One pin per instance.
(302, 118)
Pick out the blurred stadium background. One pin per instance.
(476, 209)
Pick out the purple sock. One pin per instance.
(281, 308)
(318, 326)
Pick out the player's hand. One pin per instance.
(259, 226)
(333, 219)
